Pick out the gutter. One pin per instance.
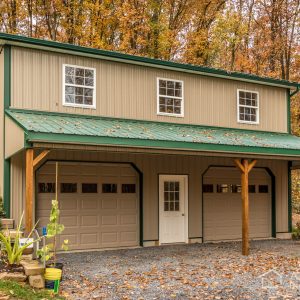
(295, 92)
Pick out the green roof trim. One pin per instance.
(127, 58)
(92, 130)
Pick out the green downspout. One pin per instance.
(290, 204)
(7, 98)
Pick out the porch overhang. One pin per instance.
(58, 128)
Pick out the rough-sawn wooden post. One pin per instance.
(245, 168)
(31, 163)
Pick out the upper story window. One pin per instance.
(248, 107)
(170, 97)
(79, 87)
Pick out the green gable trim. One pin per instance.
(7, 75)
(7, 99)
(112, 55)
(89, 130)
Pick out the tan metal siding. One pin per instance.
(14, 137)
(154, 164)
(1, 120)
(17, 186)
(129, 91)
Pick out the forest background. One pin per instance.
(260, 37)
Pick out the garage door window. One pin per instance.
(109, 188)
(223, 188)
(68, 188)
(236, 188)
(46, 187)
(263, 189)
(208, 188)
(89, 188)
(128, 188)
(251, 188)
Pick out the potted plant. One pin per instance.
(48, 251)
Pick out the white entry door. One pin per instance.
(173, 207)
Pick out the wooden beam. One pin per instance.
(41, 156)
(251, 165)
(239, 165)
(29, 190)
(245, 209)
(245, 168)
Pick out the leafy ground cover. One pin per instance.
(15, 290)
(198, 271)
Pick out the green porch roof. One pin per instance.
(93, 130)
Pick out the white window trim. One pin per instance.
(76, 85)
(174, 97)
(238, 107)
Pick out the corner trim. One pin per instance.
(289, 196)
(7, 101)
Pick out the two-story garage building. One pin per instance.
(146, 148)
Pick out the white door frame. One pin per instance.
(186, 202)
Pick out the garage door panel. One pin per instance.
(89, 220)
(68, 203)
(90, 238)
(69, 221)
(109, 220)
(128, 236)
(128, 219)
(109, 203)
(109, 237)
(128, 203)
(89, 203)
(223, 211)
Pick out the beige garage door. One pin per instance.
(222, 206)
(99, 203)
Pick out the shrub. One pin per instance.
(296, 231)
(12, 248)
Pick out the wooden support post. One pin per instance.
(245, 168)
(29, 190)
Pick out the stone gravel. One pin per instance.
(195, 271)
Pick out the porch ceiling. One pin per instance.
(61, 128)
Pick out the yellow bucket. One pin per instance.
(52, 279)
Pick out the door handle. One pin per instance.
(183, 215)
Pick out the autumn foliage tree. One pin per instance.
(254, 36)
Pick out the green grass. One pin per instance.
(18, 291)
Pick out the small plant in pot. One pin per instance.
(48, 253)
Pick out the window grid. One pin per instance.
(171, 196)
(79, 86)
(170, 97)
(248, 107)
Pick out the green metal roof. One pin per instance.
(89, 130)
(134, 59)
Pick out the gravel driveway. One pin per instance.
(197, 271)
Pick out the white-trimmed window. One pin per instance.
(170, 97)
(248, 107)
(79, 86)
